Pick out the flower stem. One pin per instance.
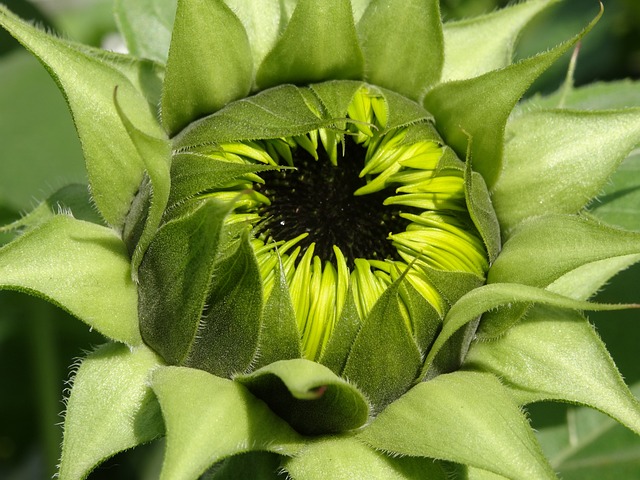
(44, 363)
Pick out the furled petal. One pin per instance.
(209, 63)
(556, 355)
(209, 418)
(114, 168)
(110, 394)
(346, 458)
(557, 161)
(464, 417)
(79, 266)
(480, 44)
(407, 60)
(319, 43)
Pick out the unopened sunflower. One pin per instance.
(331, 244)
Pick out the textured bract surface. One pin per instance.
(401, 343)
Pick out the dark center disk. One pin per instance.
(317, 198)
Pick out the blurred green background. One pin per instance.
(39, 152)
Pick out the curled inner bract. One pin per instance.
(346, 212)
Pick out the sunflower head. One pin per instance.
(322, 252)
(355, 222)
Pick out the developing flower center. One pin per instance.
(344, 212)
(318, 198)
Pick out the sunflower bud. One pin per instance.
(338, 249)
(314, 244)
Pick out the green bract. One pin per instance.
(329, 243)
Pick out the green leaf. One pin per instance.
(279, 337)
(279, 112)
(209, 63)
(192, 173)
(334, 355)
(263, 22)
(114, 169)
(557, 161)
(73, 200)
(175, 275)
(359, 7)
(309, 396)
(591, 446)
(111, 408)
(619, 199)
(336, 96)
(425, 320)
(453, 285)
(403, 45)
(488, 297)
(405, 113)
(584, 281)
(477, 45)
(384, 340)
(79, 266)
(544, 249)
(477, 129)
(464, 417)
(134, 223)
(482, 211)
(346, 458)
(35, 127)
(155, 153)
(319, 43)
(229, 327)
(479, 474)
(146, 26)
(566, 254)
(209, 418)
(537, 359)
(595, 96)
(451, 354)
